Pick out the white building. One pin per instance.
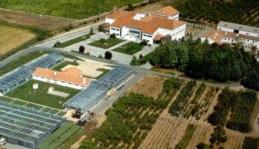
(232, 33)
(147, 27)
(71, 77)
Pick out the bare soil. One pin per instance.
(150, 86)
(49, 23)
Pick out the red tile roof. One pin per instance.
(148, 24)
(218, 35)
(71, 75)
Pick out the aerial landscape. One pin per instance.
(129, 74)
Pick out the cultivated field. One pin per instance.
(76, 9)
(149, 86)
(48, 23)
(12, 37)
(166, 133)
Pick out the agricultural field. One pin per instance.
(40, 96)
(13, 38)
(137, 114)
(166, 133)
(78, 9)
(193, 101)
(242, 11)
(36, 21)
(149, 86)
(196, 102)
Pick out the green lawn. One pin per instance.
(20, 61)
(106, 43)
(73, 41)
(76, 9)
(40, 96)
(129, 48)
(66, 132)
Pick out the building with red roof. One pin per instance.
(147, 27)
(71, 77)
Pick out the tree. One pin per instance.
(108, 55)
(81, 49)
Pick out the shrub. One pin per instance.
(81, 49)
(108, 55)
(112, 36)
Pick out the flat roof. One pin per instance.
(236, 26)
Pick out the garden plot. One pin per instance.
(137, 114)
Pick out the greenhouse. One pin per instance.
(22, 74)
(26, 126)
(98, 90)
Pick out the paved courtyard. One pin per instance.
(117, 56)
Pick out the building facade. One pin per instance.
(151, 27)
(71, 77)
(232, 33)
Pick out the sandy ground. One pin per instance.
(149, 86)
(90, 68)
(49, 23)
(12, 37)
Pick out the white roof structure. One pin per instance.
(235, 26)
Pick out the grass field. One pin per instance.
(129, 48)
(106, 43)
(40, 96)
(12, 38)
(76, 9)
